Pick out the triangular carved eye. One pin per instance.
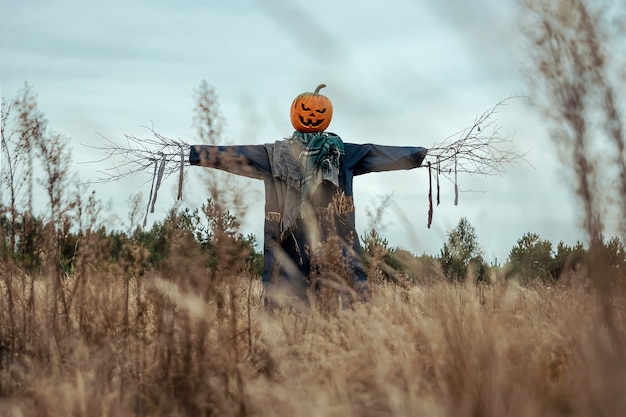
(322, 111)
(304, 108)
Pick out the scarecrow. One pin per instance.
(308, 192)
(308, 181)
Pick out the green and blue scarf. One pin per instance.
(320, 160)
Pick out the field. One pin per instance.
(107, 343)
(170, 322)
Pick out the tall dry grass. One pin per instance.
(188, 344)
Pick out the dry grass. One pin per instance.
(191, 344)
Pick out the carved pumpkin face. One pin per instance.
(311, 112)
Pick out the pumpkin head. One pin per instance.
(311, 112)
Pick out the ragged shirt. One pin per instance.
(286, 257)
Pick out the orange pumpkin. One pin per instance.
(311, 112)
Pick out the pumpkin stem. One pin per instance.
(319, 87)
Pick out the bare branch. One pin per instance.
(139, 155)
(479, 149)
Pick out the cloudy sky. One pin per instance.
(398, 72)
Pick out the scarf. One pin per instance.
(320, 160)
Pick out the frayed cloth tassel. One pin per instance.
(154, 174)
(456, 185)
(180, 176)
(438, 172)
(430, 196)
(158, 183)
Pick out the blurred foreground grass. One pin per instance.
(193, 345)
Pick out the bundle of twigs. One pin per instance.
(477, 150)
(141, 155)
(158, 154)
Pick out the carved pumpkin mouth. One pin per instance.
(310, 122)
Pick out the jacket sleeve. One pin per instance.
(247, 160)
(362, 159)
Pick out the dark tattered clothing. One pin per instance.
(287, 259)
